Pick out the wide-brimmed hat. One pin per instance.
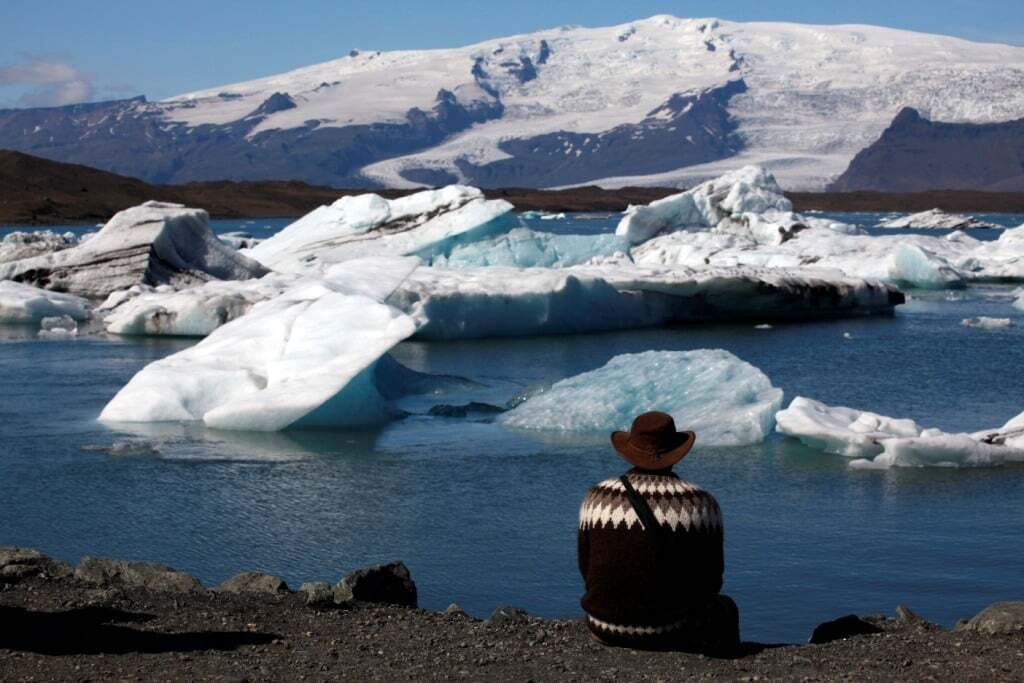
(653, 443)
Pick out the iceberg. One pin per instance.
(910, 264)
(936, 219)
(198, 311)
(22, 304)
(525, 248)
(725, 400)
(1018, 303)
(21, 244)
(497, 302)
(154, 243)
(880, 442)
(986, 323)
(426, 224)
(736, 201)
(303, 359)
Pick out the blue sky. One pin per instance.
(60, 51)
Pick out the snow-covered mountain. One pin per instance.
(659, 101)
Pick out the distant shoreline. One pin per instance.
(37, 191)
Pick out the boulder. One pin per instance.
(843, 627)
(150, 575)
(22, 563)
(385, 583)
(1000, 617)
(504, 615)
(254, 582)
(453, 610)
(317, 593)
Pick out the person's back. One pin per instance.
(651, 551)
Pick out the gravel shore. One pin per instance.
(55, 625)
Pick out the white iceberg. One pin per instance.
(739, 201)
(426, 224)
(1018, 302)
(303, 359)
(155, 243)
(525, 248)
(987, 323)
(496, 302)
(725, 400)
(936, 219)
(880, 442)
(197, 311)
(22, 304)
(912, 265)
(26, 244)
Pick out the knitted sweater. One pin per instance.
(637, 584)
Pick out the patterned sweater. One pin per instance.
(637, 585)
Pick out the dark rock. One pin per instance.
(905, 615)
(254, 582)
(843, 627)
(385, 583)
(20, 563)
(1000, 617)
(317, 593)
(464, 410)
(156, 577)
(507, 615)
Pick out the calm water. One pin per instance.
(485, 516)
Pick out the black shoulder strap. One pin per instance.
(643, 510)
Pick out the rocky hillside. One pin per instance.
(915, 154)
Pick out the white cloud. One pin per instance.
(50, 82)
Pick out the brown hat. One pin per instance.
(653, 443)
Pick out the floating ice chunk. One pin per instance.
(749, 190)
(58, 327)
(986, 323)
(525, 248)
(197, 311)
(937, 219)
(19, 244)
(239, 239)
(155, 243)
(914, 266)
(552, 216)
(838, 430)
(426, 224)
(725, 400)
(1018, 303)
(896, 443)
(24, 304)
(303, 359)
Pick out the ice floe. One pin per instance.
(936, 219)
(726, 400)
(303, 359)
(24, 304)
(880, 442)
(155, 243)
(987, 323)
(525, 248)
(425, 224)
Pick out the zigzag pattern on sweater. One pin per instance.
(675, 503)
(623, 630)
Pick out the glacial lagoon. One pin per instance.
(486, 516)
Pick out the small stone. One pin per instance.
(843, 627)
(254, 582)
(454, 610)
(1000, 617)
(317, 593)
(389, 584)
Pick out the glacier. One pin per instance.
(426, 224)
(22, 304)
(725, 400)
(303, 359)
(154, 243)
(875, 441)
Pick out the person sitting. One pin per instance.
(651, 550)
